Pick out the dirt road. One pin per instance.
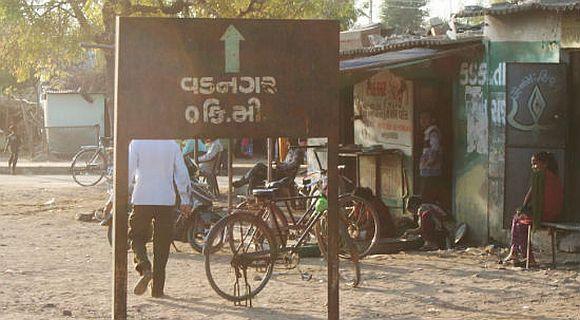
(54, 267)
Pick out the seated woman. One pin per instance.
(543, 203)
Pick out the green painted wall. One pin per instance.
(479, 132)
(470, 148)
(498, 53)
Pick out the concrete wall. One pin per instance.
(72, 110)
(470, 123)
(79, 115)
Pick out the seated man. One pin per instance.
(288, 168)
(206, 162)
(431, 220)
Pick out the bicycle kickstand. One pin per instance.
(242, 303)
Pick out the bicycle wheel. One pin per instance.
(349, 269)
(199, 229)
(240, 274)
(362, 224)
(88, 167)
(349, 266)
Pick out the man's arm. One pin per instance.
(181, 177)
(210, 154)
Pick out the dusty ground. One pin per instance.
(52, 267)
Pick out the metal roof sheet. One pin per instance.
(507, 8)
(395, 58)
(424, 42)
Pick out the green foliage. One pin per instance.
(40, 39)
(403, 15)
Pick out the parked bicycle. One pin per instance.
(242, 248)
(93, 163)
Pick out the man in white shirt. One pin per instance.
(155, 166)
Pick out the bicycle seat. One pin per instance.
(264, 193)
(284, 182)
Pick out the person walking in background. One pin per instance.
(431, 162)
(155, 166)
(13, 145)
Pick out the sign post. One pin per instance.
(223, 78)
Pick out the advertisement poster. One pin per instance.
(383, 112)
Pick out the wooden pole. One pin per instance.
(270, 157)
(333, 238)
(230, 174)
(121, 191)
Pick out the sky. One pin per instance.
(436, 8)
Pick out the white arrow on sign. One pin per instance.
(232, 38)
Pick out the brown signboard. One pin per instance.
(228, 78)
(224, 78)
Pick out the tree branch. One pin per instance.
(250, 8)
(80, 16)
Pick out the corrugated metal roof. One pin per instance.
(507, 8)
(424, 42)
(397, 58)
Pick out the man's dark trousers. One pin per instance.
(140, 234)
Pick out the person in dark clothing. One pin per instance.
(12, 144)
(259, 172)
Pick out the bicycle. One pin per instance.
(249, 242)
(362, 219)
(93, 163)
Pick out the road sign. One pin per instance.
(224, 78)
(207, 77)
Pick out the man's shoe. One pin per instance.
(141, 285)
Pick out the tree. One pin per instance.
(403, 15)
(40, 39)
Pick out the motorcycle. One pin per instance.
(189, 228)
